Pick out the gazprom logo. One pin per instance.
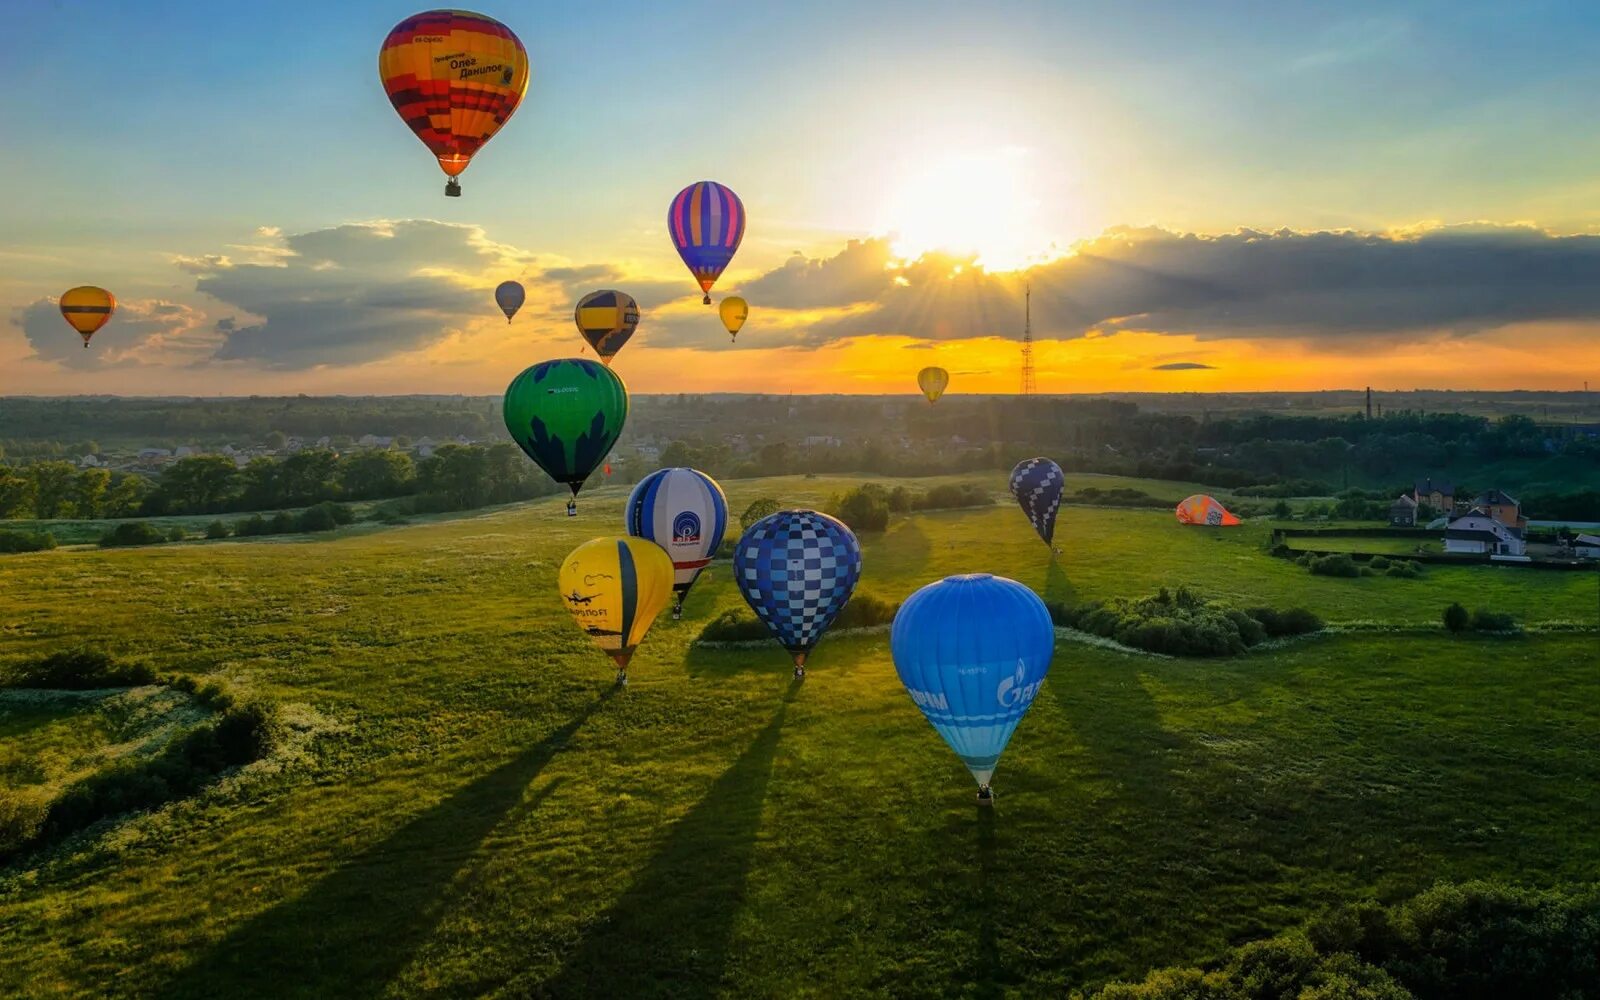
(1012, 692)
(927, 699)
(686, 527)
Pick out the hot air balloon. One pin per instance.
(606, 319)
(1037, 484)
(614, 588)
(454, 77)
(706, 221)
(685, 512)
(566, 415)
(734, 311)
(972, 651)
(1201, 509)
(87, 308)
(932, 382)
(797, 569)
(509, 296)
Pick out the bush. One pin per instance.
(1484, 620)
(1180, 623)
(25, 541)
(1293, 621)
(324, 516)
(1338, 564)
(176, 534)
(217, 529)
(734, 625)
(21, 816)
(865, 611)
(79, 670)
(1404, 569)
(248, 732)
(865, 508)
(252, 526)
(1456, 618)
(759, 508)
(901, 500)
(131, 533)
(1379, 562)
(282, 523)
(947, 496)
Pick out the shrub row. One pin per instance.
(739, 625)
(1456, 619)
(1343, 564)
(1475, 941)
(1121, 496)
(131, 533)
(867, 507)
(77, 670)
(25, 541)
(324, 516)
(1181, 623)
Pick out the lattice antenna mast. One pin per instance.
(1027, 340)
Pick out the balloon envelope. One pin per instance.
(706, 222)
(1037, 485)
(734, 311)
(614, 588)
(973, 651)
(932, 381)
(606, 319)
(454, 77)
(509, 296)
(87, 308)
(1201, 509)
(685, 512)
(566, 415)
(797, 569)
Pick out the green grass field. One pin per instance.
(482, 813)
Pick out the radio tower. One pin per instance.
(1027, 340)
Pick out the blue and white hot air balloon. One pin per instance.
(972, 651)
(1037, 484)
(685, 512)
(797, 569)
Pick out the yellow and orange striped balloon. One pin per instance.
(87, 309)
(455, 77)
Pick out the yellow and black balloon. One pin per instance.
(87, 308)
(614, 587)
(606, 319)
(734, 311)
(933, 381)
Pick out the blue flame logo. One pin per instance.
(686, 527)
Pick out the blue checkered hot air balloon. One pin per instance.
(1037, 484)
(797, 569)
(684, 512)
(972, 651)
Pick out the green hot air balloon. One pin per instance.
(566, 415)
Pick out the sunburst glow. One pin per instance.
(970, 203)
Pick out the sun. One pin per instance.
(968, 204)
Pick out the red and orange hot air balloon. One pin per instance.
(1201, 509)
(455, 77)
(87, 308)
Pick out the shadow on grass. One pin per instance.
(351, 933)
(903, 550)
(757, 656)
(1057, 588)
(669, 933)
(989, 977)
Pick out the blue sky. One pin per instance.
(163, 130)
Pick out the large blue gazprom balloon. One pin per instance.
(1037, 484)
(797, 568)
(684, 512)
(972, 651)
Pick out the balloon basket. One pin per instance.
(572, 508)
(677, 614)
(706, 301)
(986, 796)
(622, 678)
(799, 673)
(452, 188)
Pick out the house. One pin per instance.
(1586, 546)
(1441, 496)
(374, 441)
(184, 451)
(1502, 507)
(1403, 512)
(1478, 533)
(90, 462)
(146, 454)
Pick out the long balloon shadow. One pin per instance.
(669, 933)
(990, 976)
(351, 933)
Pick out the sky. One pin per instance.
(1218, 196)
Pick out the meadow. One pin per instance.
(471, 807)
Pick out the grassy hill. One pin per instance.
(481, 813)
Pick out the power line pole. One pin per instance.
(1027, 340)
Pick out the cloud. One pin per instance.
(352, 293)
(1183, 366)
(1252, 284)
(148, 331)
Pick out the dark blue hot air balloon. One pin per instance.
(1037, 483)
(972, 651)
(797, 568)
(509, 296)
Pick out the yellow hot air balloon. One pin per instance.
(615, 587)
(87, 309)
(734, 311)
(932, 382)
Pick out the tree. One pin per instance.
(371, 475)
(89, 492)
(17, 494)
(199, 485)
(52, 484)
(759, 508)
(275, 440)
(307, 477)
(865, 508)
(454, 476)
(677, 455)
(260, 490)
(1456, 618)
(126, 497)
(1282, 511)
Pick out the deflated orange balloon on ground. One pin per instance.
(1201, 509)
(455, 77)
(87, 309)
